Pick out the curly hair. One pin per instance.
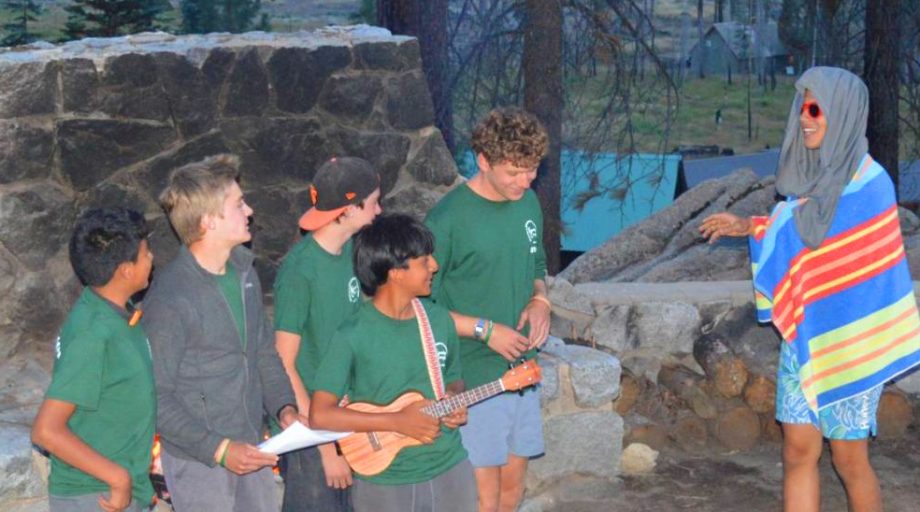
(511, 135)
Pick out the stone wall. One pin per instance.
(651, 326)
(103, 121)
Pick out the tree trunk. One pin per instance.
(881, 75)
(737, 428)
(426, 20)
(895, 414)
(685, 384)
(760, 394)
(727, 371)
(543, 96)
(699, 39)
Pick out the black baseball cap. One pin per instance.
(338, 184)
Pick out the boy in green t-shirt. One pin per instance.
(377, 356)
(315, 290)
(99, 413)
(489, 244)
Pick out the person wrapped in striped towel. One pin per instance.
(831, 274)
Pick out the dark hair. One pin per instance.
(102, 239)
(387, 243)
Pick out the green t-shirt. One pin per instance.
(314, 292)
(103, 367)
(230, 287)
(490, 253)
(377, 359)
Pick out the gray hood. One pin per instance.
(822, 174)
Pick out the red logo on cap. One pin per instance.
(314, 195)
(350, 195)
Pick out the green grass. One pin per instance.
(701, 98)
(695, 120)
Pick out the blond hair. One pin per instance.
(196, 190)
(511, 135)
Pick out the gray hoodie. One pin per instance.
(822, 174)
(208, 386)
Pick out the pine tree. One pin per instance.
(203, 16)
(21, 13)
(108, 18)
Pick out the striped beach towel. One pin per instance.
(847, 308)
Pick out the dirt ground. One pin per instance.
(750, 482)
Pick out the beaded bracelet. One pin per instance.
(223, 453)
(488, 332)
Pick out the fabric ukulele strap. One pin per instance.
(428, 348)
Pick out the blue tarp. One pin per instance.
(614, 193)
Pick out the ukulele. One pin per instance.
(369, 453)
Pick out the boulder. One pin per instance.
(32, 209)
(638, 459)
(79, 86)
(386, 151)
(274, 223)
(610, 328)
(130, 88)
(191, 100)
(26, 149)
(430, 161)
(669, 326)
(388, 56)
(412, 200)
(588, 443)
(91, 150)
(299, 74)
(549, 386)
(153, 175)
(644, 252)
(595, 375)
(409, 102)
(27, 88)
(247, 86)
(909, 383)
(18, 477)
(351, 96)
(280, 150)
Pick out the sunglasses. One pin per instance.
(812, 108)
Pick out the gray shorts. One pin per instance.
(195, 487)
(451, 491)
(504, 424)
(86, 503)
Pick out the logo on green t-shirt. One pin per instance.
(441, 349)
(57, 347)
(530, 227)
(354, 290)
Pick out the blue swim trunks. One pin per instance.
(850, 419)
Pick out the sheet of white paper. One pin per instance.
(298, 436)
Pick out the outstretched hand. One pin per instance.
(722, 224)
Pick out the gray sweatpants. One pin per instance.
(85, 503)
(195, 487)
(451, 491)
